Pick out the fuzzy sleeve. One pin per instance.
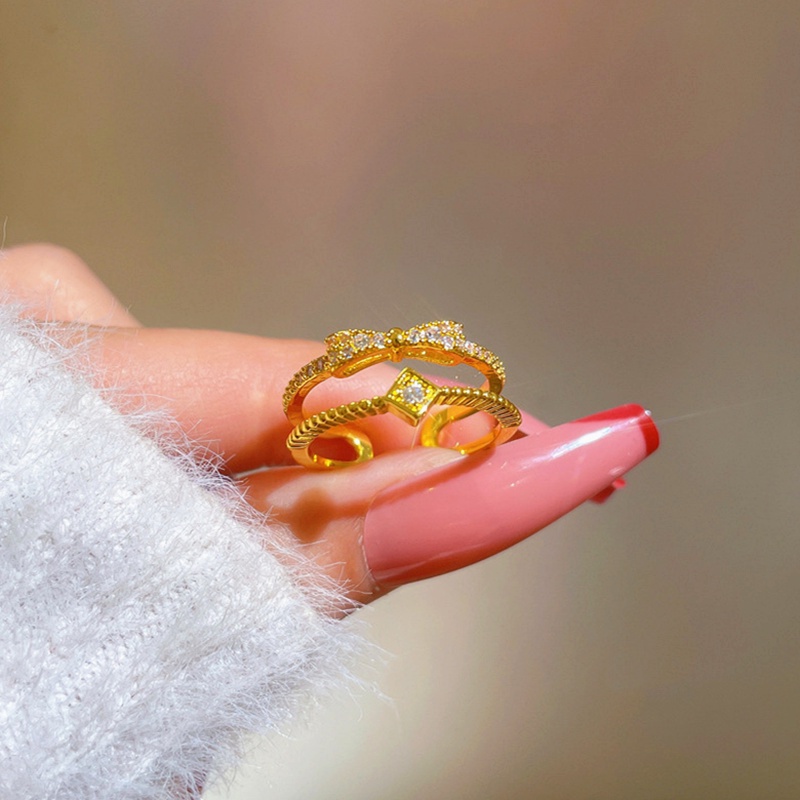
(144, 621)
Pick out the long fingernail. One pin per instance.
(462, 513)
(531, 425)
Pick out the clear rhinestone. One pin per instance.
(414, 336)
(447, 342)
(413, 394)
(433, 334)
(361, 341)
(379, 340)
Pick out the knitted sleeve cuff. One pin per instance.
(145, 619)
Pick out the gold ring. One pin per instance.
(410, 397)
(441, 342)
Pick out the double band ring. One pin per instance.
(410, 397)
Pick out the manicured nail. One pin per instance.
(531, 425)
(462, 513)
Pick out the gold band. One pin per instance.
(410, 397)
(350, 351)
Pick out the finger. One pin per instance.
(480, 506)
(325, 511)
(54, 284)
(413, 515)
(226, 389)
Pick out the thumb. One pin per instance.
(469, 511)
(416, 514)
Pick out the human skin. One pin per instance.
(407, 514)
(224, 391)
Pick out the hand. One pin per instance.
(410, 513)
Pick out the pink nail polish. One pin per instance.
(531, 425)
(463, 513)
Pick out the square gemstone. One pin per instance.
(410, 396)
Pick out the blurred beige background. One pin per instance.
(604, 192)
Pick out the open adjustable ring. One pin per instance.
(348, 352)
(410, 397)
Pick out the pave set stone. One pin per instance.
(317, 368)
(344, 345)
(444, 334)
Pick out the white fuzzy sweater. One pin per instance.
(145, 618)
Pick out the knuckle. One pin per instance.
(51, 263)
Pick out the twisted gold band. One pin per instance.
(350, 351)
(410, 397)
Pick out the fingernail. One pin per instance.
(531, 425)
(601, 497)
(462, 513)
